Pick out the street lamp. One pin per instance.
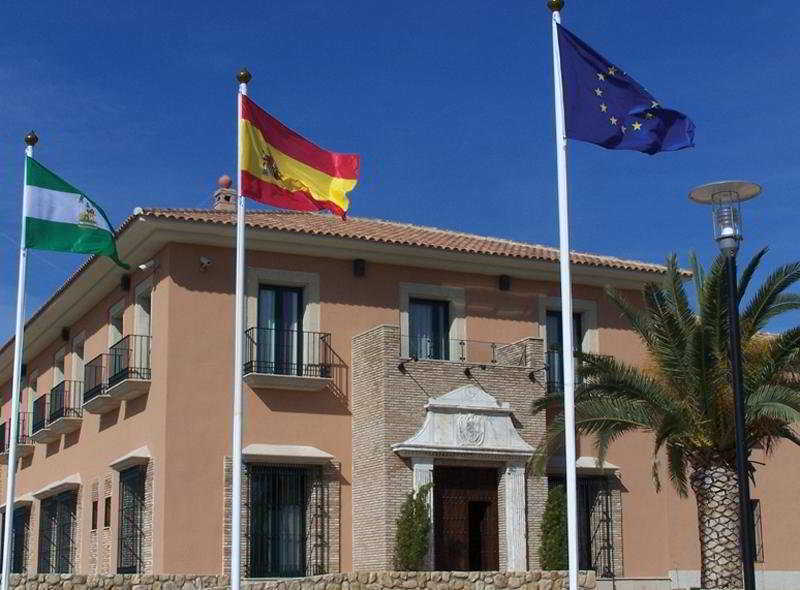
(725, 199)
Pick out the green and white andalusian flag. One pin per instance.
(60, 217)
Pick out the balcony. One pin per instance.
(40, 432)
(66, 413)
(25, 445)
(129, 368)
(95, 379)
(290, 359)
(121, 374)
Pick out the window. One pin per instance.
(78, 358)
(555, 343)
(115, 323)
(131, 520)
(429, 329)
(56, 532)
(94, 515)
(278, 502)
(58, 367)
(758, 532)
(279, 335)
(595, 524)
(107, 512)
(142, 309)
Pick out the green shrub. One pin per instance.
(413, 528)
(553, 547)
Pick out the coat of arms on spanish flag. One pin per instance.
(283, 169)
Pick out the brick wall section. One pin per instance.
(147, 541)
(616, 526)
(105, 546)
(388, 408)
(529, 580)
(94, 496)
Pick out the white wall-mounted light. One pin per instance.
(152, 263)
(205, 263)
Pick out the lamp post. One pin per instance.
(725, 198)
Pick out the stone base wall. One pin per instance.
(530, 580)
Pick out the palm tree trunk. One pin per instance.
(716, 489)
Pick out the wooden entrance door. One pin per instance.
(465, 519)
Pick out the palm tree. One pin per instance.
(684, 397)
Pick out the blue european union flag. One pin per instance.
(605, 106)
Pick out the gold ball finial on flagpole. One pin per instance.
(244, 76)
(31, 138)
(555, 5)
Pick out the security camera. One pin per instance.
(205, 263)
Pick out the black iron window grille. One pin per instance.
(20, 530)
(429, 329)
(65, 400)
(39, 414)
(131, 520)
(595, 524)
(56, 533)
(129, 359)
(279, 498)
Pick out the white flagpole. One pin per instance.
(11, 441)
(238, 337)
(566, 304)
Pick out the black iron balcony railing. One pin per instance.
(66, 399)
(129, 359)
(23, 435)
(39, 414)
(94, 377)
(555, 371)
(290, 352)
(464, 351)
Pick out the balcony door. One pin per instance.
(429, 329)
(555, 347)
(279, 336)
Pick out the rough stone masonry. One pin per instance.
(530, 580)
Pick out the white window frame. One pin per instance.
(144, 286)
(455, 296)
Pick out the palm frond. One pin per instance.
(757, 312)
(677, 466)
(698, 275)
(749, 270)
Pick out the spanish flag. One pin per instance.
(283, 169)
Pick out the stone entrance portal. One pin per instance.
(470, 450)
(465, 519)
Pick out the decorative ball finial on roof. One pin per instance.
(31, 138)
(244, 76)
(224, 181)
(555, 5)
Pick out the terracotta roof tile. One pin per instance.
(390, 232)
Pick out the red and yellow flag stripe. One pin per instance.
(283, 169)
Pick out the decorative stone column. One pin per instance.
(516, 535)
(423, 475)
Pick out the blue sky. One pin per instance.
(450, 104)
